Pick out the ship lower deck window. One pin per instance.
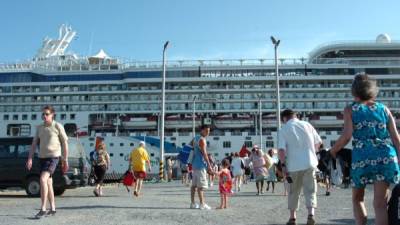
(248, 144)
(132, 144)
(33, 117)
(121, 144)
(72, 116)
(152, 154)
(15, 117)
(226, 144)
(63, 116)
(6, 117)
(111, 154)
(215, 138)
(111, 144)
(269, 144)
(121, 154)
(24, 117)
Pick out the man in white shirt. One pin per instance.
(298, 143)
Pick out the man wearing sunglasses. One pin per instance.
(52, 138)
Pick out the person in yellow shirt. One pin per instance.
(138, 160)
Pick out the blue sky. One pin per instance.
(201, 29)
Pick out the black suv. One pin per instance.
(13, 173)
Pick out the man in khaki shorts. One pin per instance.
(200, 165)
(298, 143)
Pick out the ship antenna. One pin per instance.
(91, 43)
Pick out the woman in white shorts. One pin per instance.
(237, 171)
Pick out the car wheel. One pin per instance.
(59, 191)
(32, 187)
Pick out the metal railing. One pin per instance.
(83, 64)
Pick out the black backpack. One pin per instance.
(394, 204)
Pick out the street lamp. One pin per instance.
(161, 172)
(260, 120)
(194, 116)
(278, 99)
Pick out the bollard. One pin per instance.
(161, 173)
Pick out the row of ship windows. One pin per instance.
(248, 144)
(205, 106)
(35, 117)
(189, 98)
(225, 144)
(185, 86)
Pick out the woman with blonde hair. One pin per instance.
(376, 147)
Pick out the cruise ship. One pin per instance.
(120, 100)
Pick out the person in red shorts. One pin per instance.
(138, 160)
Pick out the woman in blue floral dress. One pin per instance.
(376, 147)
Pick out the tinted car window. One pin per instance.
(7, 151)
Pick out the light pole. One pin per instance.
(194, 116)
(161, 172)
(260, 121)
(278, 98)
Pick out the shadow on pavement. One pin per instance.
(333, 222)
(87, 196)
(345, 222)
(117, 207)
(14, 196)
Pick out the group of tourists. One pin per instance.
(374, 159)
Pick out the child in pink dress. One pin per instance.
(225, 183)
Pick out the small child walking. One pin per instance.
(225, 183)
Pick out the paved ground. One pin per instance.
(167, 203)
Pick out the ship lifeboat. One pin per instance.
(233, 121)
(269, 121)
(101, 124)
(327, 121)
(181, 121)
(139, 122)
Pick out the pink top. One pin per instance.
(225, 182)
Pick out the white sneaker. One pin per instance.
(205, 207)
(194, 206)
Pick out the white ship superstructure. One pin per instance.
(102, 95)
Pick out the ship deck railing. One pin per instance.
(83, 65)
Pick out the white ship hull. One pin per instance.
(121, 100)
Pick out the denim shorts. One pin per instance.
(49, 165)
